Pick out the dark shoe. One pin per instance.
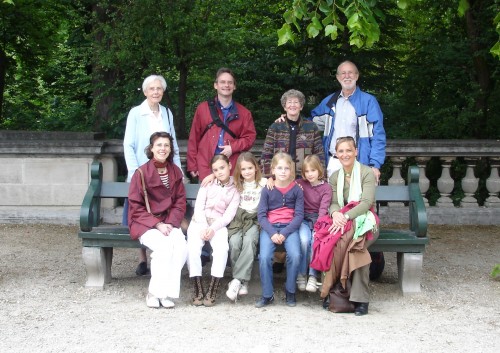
(263, 301)
(278, 267)
(197, 291)
(290, 299)
(142, 269)
(205, 258)
(211, 294)
(361, 309)
(326, 302)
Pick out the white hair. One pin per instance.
(147, 81)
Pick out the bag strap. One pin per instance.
(144, 190)
(216, 120)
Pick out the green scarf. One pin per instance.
(365, 222)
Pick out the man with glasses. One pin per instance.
(351, 112)
(220, 126)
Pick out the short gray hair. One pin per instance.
(293, 93)
(147, 81)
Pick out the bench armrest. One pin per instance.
(418, 214)
(90, 212)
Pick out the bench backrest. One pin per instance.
(392, 193)
(114, 189)
(410, 194)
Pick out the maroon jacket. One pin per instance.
(167, 205)
(201, 149)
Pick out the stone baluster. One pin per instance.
(396, 178)
(445, 183)
(469, 184)
(493, 184)
(423, 181)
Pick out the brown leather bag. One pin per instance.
(339, 298)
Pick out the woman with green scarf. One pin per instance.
(352, 215)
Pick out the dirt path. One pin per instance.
(45, 308)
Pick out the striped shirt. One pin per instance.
(164, 180)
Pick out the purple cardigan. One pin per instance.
(317, 198)
(274, 199)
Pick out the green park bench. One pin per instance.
(98, 240)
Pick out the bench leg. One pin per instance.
(410, 272)
(97, 265)
(108, 255)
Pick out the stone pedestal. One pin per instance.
(470, 184)
(493, 184)
(445, 183)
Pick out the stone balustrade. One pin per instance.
(44, 176)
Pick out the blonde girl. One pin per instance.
(280, 213)
(244, 229)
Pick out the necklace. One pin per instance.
(154, 110)
(347, 174)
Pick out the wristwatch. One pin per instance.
(346, 216)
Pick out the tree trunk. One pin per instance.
(181, 117)
(481, 68)
(102, 78)
(3, 71)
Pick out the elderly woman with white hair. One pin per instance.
(142, 121)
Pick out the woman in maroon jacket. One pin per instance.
(157, 203)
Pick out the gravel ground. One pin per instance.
(44, 306)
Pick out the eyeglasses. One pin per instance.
(229, 83)
(153, 89)
(347, 73)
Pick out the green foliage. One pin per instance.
(495, 273)
(360, 18)
(495, 50)
(45, 79)
(79, 65)
(441, 82)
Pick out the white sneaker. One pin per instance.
(312, 284)
(243, 289)
(301, 282)
(167, 303)
(233, 289)
(152, 301)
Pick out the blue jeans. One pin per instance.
(306, 243)
(267, 248)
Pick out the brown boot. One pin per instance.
(211, 295)
(198, 291)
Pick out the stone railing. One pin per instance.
(45, 175)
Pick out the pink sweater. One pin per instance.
(217, 202)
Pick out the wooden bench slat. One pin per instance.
(392, 193)
(113, 189)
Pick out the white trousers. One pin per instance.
(219, 245)
(167, 259)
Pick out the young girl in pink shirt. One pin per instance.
(215, 207)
